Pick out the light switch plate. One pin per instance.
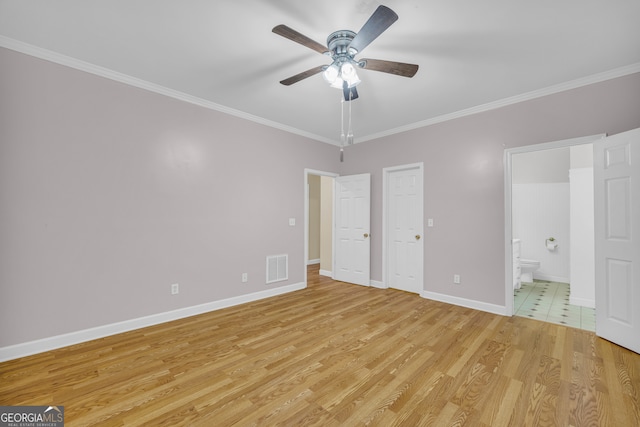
(292, 221)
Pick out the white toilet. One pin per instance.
(528, 266)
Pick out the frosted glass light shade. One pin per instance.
(331, 73)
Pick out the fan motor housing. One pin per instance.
(338, 42)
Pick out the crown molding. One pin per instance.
(87, 67)
(77, 64)
(573, 84)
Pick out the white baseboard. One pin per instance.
(583, 302)
(378, 284)
(313, 261)
(325, 273)
(463, 302)
(46, 344)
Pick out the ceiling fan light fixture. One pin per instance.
(347, 71)
(353, 81)
(348, 74)
(336, 74)
(342, 46)
(337, 83)
(331, 74)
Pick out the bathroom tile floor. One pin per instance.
(549, 301)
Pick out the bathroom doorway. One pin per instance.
(550, 213)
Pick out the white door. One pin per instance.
(351, 241)
(404, 227)
(617, 236)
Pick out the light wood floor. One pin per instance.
(337, 354)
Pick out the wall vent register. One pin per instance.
(277, 268)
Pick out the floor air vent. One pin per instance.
(277, 268)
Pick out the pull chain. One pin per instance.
(342, 137)
(350, 132)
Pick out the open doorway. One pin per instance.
(549, 247)
(319, 220)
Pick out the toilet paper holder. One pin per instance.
(551, 244)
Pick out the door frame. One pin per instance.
(386, 176)
(508, 220)
(308, 172)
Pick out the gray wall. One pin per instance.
(541, 166)
(108, 194)
(463, 177)
(315, 217)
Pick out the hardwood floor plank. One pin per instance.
(336, 354)
(499, 410)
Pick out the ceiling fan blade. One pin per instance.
(295, 79)
(391, 67)
(381, 19)
(350, 93)
(293, 35)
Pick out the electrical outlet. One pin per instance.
(456, 279)
(175, 289)
(245, 277)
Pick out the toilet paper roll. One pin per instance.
(551, 245)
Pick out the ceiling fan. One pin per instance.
(342, 47)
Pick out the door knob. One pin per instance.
(366, 235)
(417, 237)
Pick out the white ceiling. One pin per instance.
(472, 54)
